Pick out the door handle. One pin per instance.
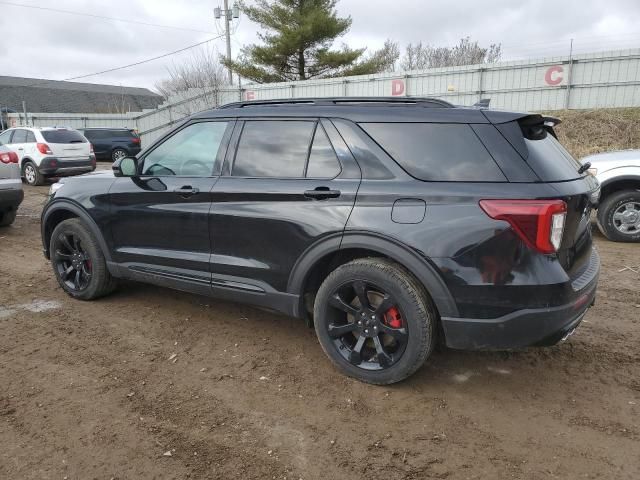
(20, 148)
(321, 193)
(186, 191)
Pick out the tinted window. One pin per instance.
(273, 149)
(190, 152)
(96, 134)
(549, 159)
(31, 138)
(5, 137)
(323, 162)
(63, 136)
(435, 151)
(19, 136)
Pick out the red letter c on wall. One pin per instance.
(552, 76)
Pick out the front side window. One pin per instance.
(5, 138)
(190, 152)
(273, 149)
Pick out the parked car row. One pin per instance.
(45, 152)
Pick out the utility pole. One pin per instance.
(229, 14)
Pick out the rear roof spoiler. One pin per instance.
(483, 103)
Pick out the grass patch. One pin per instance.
(584, 132)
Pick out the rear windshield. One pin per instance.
(550, 160)
(63, 136)
(436, 151)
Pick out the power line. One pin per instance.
(103, 17)
(129, 65)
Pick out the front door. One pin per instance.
(283, 189)
(160, 219)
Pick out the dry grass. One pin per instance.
(584, 132)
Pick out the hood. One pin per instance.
(608, 160)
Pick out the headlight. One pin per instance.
(55, 187)
(593, 171)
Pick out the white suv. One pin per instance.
(49, 152)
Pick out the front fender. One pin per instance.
(54, 208)
(612, 175)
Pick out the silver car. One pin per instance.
(619, 208)
(11, 193)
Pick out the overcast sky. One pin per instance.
(45, 44)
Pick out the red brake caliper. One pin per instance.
(392, 318)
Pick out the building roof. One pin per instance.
(52, 96)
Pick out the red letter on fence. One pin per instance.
(250, 95)
(397, 87)
(549, 77)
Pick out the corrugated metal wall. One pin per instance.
(597, 80)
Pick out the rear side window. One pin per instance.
(550, 160)
(63, 136)
(436, 151)
(273, 149)
(31, 138)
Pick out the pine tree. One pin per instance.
(297, 44)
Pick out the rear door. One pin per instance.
(67, 144)
(283, 189)
(160, 219)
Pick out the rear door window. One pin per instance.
(436, 151)
(63, 136)
(323, 162)
(19, 136)
(273, 149)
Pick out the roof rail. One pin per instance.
(331, 101)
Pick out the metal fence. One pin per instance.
(586, 81)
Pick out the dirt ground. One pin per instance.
(105, 389)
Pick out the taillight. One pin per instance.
(135, 140)
(44, 149)
(540, 223)
(8, 157)
(90, 148)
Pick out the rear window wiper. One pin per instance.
(585, 166)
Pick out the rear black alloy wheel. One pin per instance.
(72, 262)
(118, 154)
(78, 262)
(369, 332)
(374, 320)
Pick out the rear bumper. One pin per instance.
(54, 167)
(10, 198)
(527, 327)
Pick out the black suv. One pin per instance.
(385, 223)
(113, 143)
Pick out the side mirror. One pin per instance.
(125, 167)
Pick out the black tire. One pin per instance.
(7, 218)
(610, 226)
(95, 279)
(118, 153)
(398, 287)
(31, 174)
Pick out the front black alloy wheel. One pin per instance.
(374, 320)
(78, 262)
(72, 262)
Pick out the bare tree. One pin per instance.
(201, 74)
(466, 52)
